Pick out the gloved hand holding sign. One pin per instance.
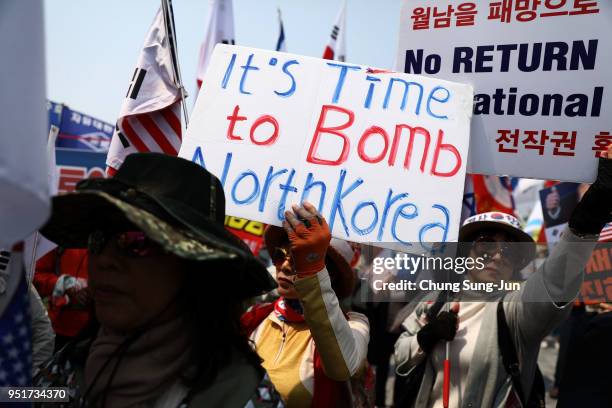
(309, 236)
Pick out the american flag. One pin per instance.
(150, 117)
(606, 233)
(15, 328)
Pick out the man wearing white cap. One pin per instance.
(493, 343)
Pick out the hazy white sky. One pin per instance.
(92, 45)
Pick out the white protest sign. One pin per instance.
(541, 76)
(381, 154)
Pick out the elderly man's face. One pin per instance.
(131, 289)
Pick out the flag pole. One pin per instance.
(53, 132)
(447, 362)
(33, 258)
(171, 32)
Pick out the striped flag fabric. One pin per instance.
(493, 193)
(281, 45)
(15, 321)
(336, 47)
(606, 233)
(150, 117)
(220, 29)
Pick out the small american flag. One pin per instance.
(15, 328)
(606, 233)
(150, 117)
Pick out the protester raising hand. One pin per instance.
(309, 238)
(309, 346)
(593, 210)
(492, 327)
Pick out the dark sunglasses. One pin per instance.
(487, 247)
(133, 244)
(280, 255)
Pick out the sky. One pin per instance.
(92, 45)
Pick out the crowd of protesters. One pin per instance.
(153, 303)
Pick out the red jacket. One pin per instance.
(67, 320)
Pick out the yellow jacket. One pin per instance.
(287, 349)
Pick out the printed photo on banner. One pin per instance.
(78, 130)
(382, 155)
(557, 202)
(540, 88)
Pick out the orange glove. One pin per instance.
(309, 236)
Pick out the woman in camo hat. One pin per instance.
(168, 283)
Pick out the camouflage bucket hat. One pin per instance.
(175, 202)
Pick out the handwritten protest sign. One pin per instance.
(541, 76)
(381, 154)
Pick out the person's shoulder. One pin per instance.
(238, 384)
(254, 316)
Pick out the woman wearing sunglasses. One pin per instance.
(492, 340)
(168, 283)
(309, 346)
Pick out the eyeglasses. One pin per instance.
(133, 244)
(280, 255)
(487, 247)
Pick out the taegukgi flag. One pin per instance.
(220, 29)
(336, 48)
(150, 117)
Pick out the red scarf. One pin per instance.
(289, 310)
